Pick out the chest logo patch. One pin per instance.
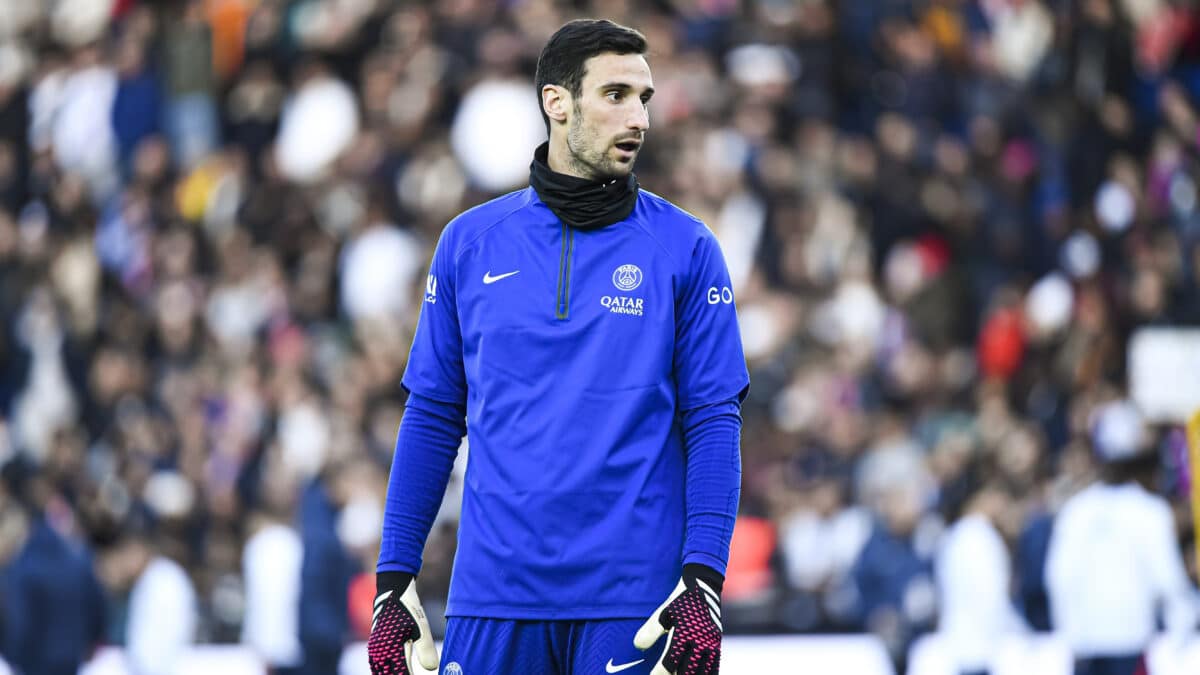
(627, 277)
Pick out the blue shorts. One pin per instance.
(477, 646)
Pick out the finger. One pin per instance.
(381, 665)
(683, 664)
(425, 647)
(427, 650)
(649, 633)
(672, 653)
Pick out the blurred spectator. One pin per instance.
(326, 571)
(1114, 560)
(893, 575)
(53, 616)
(137, 105)
(159, 587)
(360, 522)
(46, 403)
(271, 565)
(820, 539)
(321, 102)
(496, 125)
(973, 574)
(379, 264)
(192, 121)
(65, 123)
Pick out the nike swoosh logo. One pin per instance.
(489, 279)
(610, 668)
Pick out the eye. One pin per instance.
(613, 96)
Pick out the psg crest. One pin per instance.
(627, 277)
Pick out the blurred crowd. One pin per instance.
(944, 220)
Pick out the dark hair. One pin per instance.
(562, 60)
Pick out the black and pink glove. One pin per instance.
(398, 624)
(691, 618)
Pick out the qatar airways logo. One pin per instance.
(619, 304)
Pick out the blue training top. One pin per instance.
(575, 352)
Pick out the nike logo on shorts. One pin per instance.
(610, 668)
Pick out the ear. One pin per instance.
(556, 101)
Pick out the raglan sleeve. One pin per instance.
(708, 361)
(435, 361)
(712, 380)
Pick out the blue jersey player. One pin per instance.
(581, 333)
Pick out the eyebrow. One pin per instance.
(624, 86)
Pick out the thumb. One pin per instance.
(660, 668)
(424, 646)
(426, 650)
(653, 629)
(649, 633)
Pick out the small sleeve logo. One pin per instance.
(627, 277)
(722, 295)
(431, 289)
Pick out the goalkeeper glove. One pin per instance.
(691, 618)
(397, 622)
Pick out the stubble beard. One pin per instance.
(594, 165)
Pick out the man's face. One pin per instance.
(609, 118)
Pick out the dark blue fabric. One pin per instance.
(53, 605)
(480, 645)
(577, 354)
(426, 445)
(325, 574)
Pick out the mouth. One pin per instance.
(629, 147)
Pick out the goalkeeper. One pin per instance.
(582, 333)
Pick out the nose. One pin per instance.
(639, 117)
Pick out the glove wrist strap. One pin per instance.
(396, 582)
(697, 571)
